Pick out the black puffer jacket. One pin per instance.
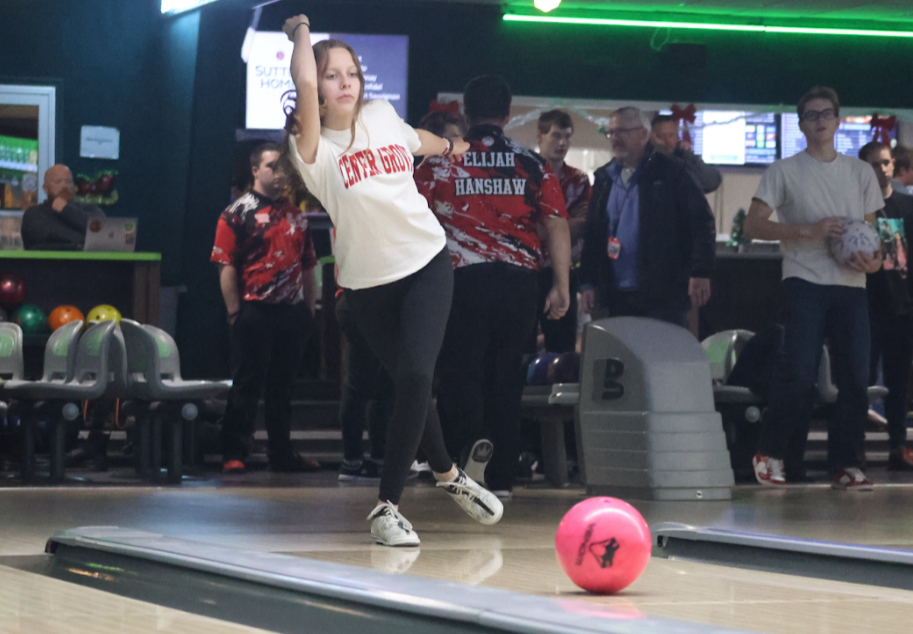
(677, 234)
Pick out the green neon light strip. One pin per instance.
(705, 26)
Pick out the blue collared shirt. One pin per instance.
(624, 224)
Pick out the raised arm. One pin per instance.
(304, 74)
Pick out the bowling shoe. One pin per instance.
(233, 466)
(360, 471)
(390, 528)
(478, 459)
(900, 459)
(851, 479)
(768, 471)
(292, 463)
(480, 504)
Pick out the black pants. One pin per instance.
(892, 344)
(560, 334)
(480, 379)
(367, 392)
(404, 324)
(633, 304)
(267, 341)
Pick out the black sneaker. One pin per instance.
(363, 471)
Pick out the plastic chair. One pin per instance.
(63, 386)
(154, 368)
(10, 351)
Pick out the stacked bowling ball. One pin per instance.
(548, 368)
(63, 315)
(104, 312)
(31, 319)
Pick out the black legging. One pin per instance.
(404, 323)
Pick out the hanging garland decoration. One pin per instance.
(98, 189)
(453, 107)
(684, 116)
(881, 128)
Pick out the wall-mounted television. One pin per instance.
(726, 137)
(384, 62)
(852, 134)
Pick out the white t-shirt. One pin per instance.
(802, 190)
(384, 228)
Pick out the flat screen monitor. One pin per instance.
(727, 137)
(384, 62)
(852, 134)
(733, 137)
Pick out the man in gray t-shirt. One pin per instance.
(812, 193)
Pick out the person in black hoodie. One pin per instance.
(891, 303)
(58, 223)
(649, 237)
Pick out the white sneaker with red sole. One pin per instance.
(768, 471)
(851, 479)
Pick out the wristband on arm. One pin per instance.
(449, 149)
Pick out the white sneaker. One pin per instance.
(390, 528)
(480, 504)
(478, 459)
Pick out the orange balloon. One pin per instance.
(64, 315)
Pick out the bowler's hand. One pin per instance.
(289, 27)
(698, 291)
(557, 302)
(865, 263)
(460, 147)
(588, 300)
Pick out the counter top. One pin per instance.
(81, 255)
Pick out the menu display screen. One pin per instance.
(732, 137)
(852, 134)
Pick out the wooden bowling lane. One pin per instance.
(315, 518)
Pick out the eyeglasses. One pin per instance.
(616, 131)
(814, 115)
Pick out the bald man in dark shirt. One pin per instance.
(57, 224)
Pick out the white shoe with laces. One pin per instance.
(390, 528)
(480, 504)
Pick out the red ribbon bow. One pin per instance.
(453, 107)
(881, 127)
(684, 116)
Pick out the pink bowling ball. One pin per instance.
(603, 544)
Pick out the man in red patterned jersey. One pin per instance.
(266, 271)
(554, 136)
(490, 206)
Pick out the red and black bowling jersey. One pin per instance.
(270, 244)
(491, 202)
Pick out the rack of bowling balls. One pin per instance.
(548, 368)
(33, 320)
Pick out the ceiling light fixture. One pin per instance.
(546, 5)
(706, 26)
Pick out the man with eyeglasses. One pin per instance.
(649, 237)
(891, 303)
(813, 193)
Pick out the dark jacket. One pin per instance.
(677, 234)
(44, 229)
